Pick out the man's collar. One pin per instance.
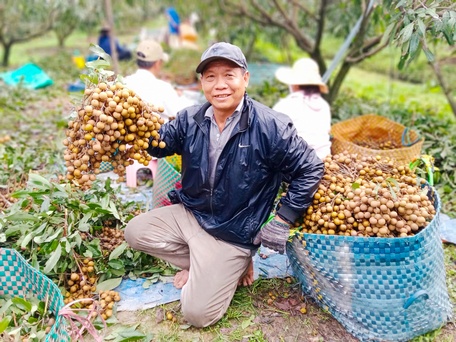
(210, 111)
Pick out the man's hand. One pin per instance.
(274, 235)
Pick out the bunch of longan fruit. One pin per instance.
(379, 145)
(110, 238)
(368, 196)
(82, 285)
(112, 125)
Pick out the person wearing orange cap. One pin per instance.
(308, 110)
(145, 82)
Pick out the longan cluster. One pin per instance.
(378, 145)
(107, 300)
(110, 238)
(369, 196)
(83, 286)
(113, 125)
(4, 139)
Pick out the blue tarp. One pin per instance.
(448, 229)
(29, 75)
(135, 297)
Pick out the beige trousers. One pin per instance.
(172, 233)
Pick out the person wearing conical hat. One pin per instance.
(306, 107)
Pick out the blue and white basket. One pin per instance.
(379, 289)
(18, 278)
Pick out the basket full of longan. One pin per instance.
(112, 125)
(375, 135)
(368, 249)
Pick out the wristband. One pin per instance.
(285, 219)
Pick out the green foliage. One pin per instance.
(48, 219)
(181, 67)
(268, 93)
(23, 20)
(24, 318)
(413, 24)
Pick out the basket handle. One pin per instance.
(405, 139)
(415, 296)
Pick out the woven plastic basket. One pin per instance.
(373, 130)
(18, 278)
(165, 181)
(379, 289)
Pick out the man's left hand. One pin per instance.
(274, 235)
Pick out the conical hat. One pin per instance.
(305, 71)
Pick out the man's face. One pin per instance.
(223, 84)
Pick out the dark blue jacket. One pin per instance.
(263, 150)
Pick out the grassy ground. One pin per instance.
(270, 310)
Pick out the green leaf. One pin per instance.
(448, 34)
(41, 308)
(4, 323)
(39, 181)
(421, 27)
(32, 320)
(118, 251)
(45, 205)
(5, 306)
(53, 236)
(414, 44)
(52, 261)
(153, 269)
(414, 164)
(146, 284)
(116, 264)
(246, 323)
(84, 226)
(401, 3)
(22, 216)
(387, 35)
(27, 239)
(429, 55)
(394, 182)
(406, 32)
(109, 284)
(22, 304)
(130, 336)
(114, 211)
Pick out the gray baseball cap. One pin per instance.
(222, 50)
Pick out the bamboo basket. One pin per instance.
(355, 134)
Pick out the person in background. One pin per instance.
(308, 110)
(104, 42)
(145, 82)
(235, 153)
(173, 27)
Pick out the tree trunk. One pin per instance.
(250, 46)
(61, 41)
(338, 80)
(6, 54)
(112, 36)
(444, 86)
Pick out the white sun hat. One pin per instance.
(305, 71)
